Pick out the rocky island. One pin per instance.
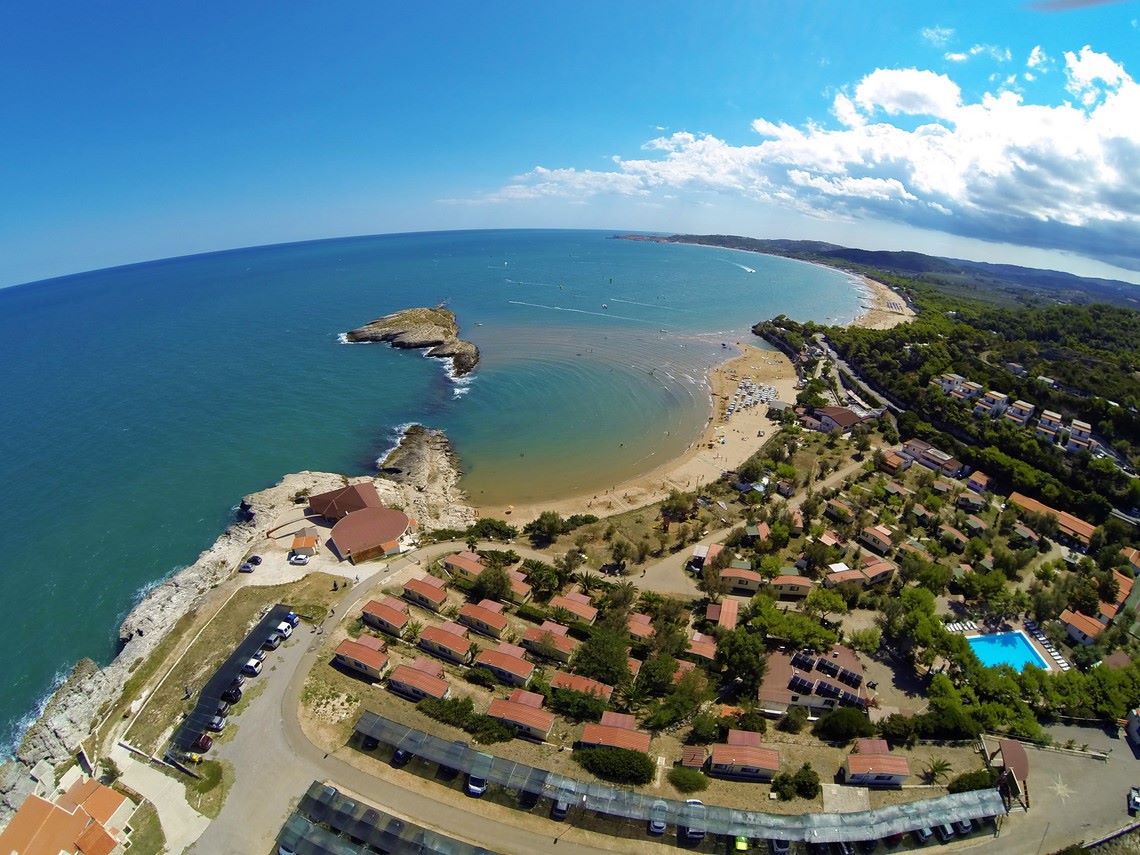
(436, 329)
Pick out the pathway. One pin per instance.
(181, 824)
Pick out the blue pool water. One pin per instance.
(1006, 648)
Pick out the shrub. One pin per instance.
(981, 779)
(705, 729)
(577, 706)
(806, 782)
(753, 720)
(617, 765)
(898, 729)
(486, 729)
(793, 720)
(688, 780)
(454, 711)
(480, 677)
(843, 725)
(784, 786)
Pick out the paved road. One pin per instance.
(821, 339)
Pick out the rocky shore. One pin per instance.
(436, 329)
(420, 476)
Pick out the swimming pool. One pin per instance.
(1007, 648)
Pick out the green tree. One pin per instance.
(688, 780)
(866, 640)
(544, 530)
(979, 779)
(743, 657)
(703, 729)
(822, 602)
(603, 656)
(793, 720)
(937, 770)
(843, 725)
(577, 706)
(806, 782)
(676, 507)
(618, 765)
(492, 584)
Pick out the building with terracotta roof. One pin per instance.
(369, 533)
(507, 668)
(608, 736)
(790, 586)
(388, 615)
(724, 613)
(366, 655)
(577, 604)
(525, 718)
(872, 764)
(551, 640)
(486, 617)
(452, 646)
(744, 762)
(878, 537)
(426, 591)
(701, 646)
(306, 541)
(640, 626)
(1081, 627)
(1069, 527)
(520, 590)
(87, 818)
(339, 503)
(739, 580)
(578, 683)
(466, 564)
(979, 482)
(422, 679)
(894, 463)
(818, 682)
(839, 419)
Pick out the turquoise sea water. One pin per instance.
(1006, 648)
(141, 403)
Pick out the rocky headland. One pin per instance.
(420, 477)
(435, 329)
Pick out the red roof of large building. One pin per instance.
(702, 645)
(578, 683)
(743, 737)
(867, 745)
(640, 625)
(615, 737)
(617, 719)
(368, 529)
(521, 714)
(343, 501)
(1066, 522)
(724, 613)
(1082, 622)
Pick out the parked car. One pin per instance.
(292, 618)
(232, 694)
(658, 817)
(284, 629)
(299, 560)
(251, 668)
(217, 724)
(695, 817)
(476, 786)
(1134, 800)
(259, 655)
(779, 847)
(203, 743)
(963, 827)
(223, 708)
(254, 560)
(246, 567)
(369, 743)
(922, 836)
(559, 810)
(944, 832)
(238, 681)
(893, 840)
(401, 757)
(273, 641)
(740, 844)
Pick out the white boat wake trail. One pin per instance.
(581, 312)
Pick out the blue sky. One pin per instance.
(974, 129)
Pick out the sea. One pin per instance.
(141, 403)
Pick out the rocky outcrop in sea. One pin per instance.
(421, 328)
(420, 477)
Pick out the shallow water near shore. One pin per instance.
(142, 402)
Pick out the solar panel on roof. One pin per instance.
(852, 699)
(803, 660)
(828, 690)
(827, 666)
(850, 677)
(799, 684)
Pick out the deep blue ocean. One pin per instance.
(142, 402)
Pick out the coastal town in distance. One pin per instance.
(845, 617)
(512, 429)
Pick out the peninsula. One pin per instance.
(436, 329)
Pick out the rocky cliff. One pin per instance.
(423, 482)
(436, 329)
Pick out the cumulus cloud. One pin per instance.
(938, 36)
(907, 146)
(1038, 59)
(999, 54)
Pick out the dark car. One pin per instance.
(401, 757)
(203, 743)
(223, 708)
(369, 743)
(292, 618)
(238, 681)
(559, 810)
(246, 567)
(254, 560)
(232, 694)
(273, 642)
(217, 724)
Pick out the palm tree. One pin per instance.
(937, 770)
(587, 580)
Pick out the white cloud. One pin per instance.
(998, 54)
(1038, 59)
(938, 36)
(956, 57)
(907, 147)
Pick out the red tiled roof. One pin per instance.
(363, 653)
(99, 801)
(448, 640)
(578, 683)
(694, 756)
(877, 764)
(385, 613)
(367, 529)
(468, 562)
(431, 592)
(575, 607)
(799, 581)
(730, 573)
(728, 612)
(481, 614)
(409, 675)
(522, 714)
(702, 645)
(746, 755)
(342, 501)
(1089, 626)
(427, 666)
(743, 737)
(615, 737)
(640, 625)
(505, 662)
(866, 745)
(616, 719)
(539, 635)
(95, 841)
(1066, 522)
(530, 699)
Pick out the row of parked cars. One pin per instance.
(250, 668)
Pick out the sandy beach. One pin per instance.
(722, 445)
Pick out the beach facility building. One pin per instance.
(337, 504)
(306, 541)
(370, 533)
(837, 419)
(577, 604)
(466, 564)
(551, 640)
(615, 730)
(741, 756)
(1070, 528)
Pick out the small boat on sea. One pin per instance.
(605, 305)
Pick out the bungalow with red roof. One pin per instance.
(741, 581)
(879, 538)
(839, 510)
(790, 586)
(952, 538)
(701, 646)
(485, 617)
(427, 591)
(388, 615)
(741, 756)
(448, 642)
(878, 572)
(520, 590)
(1082, 628)
(577, 604)
(505, 665)
(760, 531)
(979, 482)
(1106, 611)
(578, 683)
(894, 463)
(523, 714)
(1069, 527)
(872, 764)
(724, 613)
(843, 577)
(640, 626)
(365, 655)
(551, 640)
(465, 564)
(422, 679)
(615, 730)
(839, 419)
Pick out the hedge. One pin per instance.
(617, 765)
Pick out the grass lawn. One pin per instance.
(147, 838)
(208, 793)
(310, 597)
